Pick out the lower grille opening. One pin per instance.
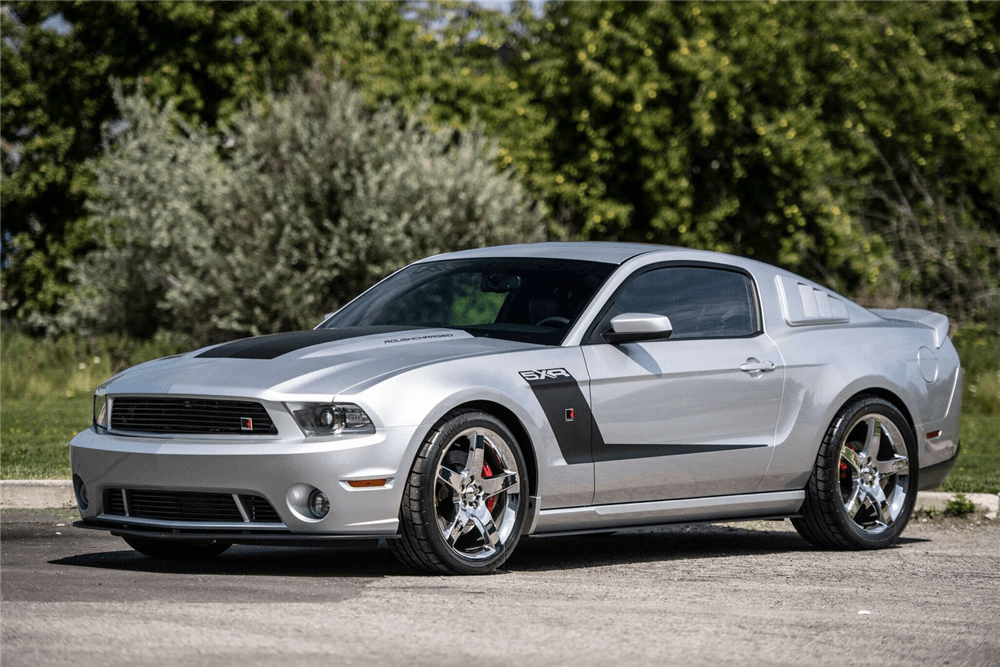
(258, 509)
(188, 506)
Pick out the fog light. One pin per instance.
(319, 504)
(82, 499)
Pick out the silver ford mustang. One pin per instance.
(476, 397)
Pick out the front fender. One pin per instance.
(421, 397)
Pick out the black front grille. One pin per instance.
(114, 503)
(258, 509)
(190, 416)
(188, 506)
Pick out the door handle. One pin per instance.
(756, 366)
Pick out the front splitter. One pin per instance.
(277, 538)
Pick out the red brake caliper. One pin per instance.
(843, 464)
(487, 473)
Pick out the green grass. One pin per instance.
(35, 436)
(43, 369)
(978, 467)
(46, 394)
(979, 351)
(46, 389)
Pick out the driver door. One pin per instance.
(693, 415)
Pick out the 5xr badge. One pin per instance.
(546, 374)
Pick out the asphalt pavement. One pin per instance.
(701, 595)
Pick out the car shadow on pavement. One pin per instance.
(687, 542)
(536, 554)
(253, 561)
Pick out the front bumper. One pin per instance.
(279, 470)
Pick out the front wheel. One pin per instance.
(465, 499)
(170, 550)
(864, 484)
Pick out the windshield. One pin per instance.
(528, 300)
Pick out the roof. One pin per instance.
(594, 251)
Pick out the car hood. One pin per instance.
(316, 364)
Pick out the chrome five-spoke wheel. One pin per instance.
(477, 494)
(874, 472)
(864, 484)
(464, 502)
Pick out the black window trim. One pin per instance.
(593, 337)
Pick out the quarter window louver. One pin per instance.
(190, 416)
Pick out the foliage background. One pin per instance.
(856, 143)
(300, 203)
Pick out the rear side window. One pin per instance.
(700, 302)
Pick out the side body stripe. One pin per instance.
(557, 391)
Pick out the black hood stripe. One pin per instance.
(275, 345)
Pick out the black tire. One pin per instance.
(453, 519)
(170, 550)
(863, 487)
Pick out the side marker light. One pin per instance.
(364, 483)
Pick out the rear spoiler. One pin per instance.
(930, 319)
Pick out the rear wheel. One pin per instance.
(170, 550)
(864, 485)
(464, 502)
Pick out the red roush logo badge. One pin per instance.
(246, 423)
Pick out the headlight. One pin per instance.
(331, 418)
(102, 412)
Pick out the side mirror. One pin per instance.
(635, 327)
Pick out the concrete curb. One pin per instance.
(50, 493)
(985, 502)
(36, 493)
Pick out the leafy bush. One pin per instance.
(300, 204)
(959, 506)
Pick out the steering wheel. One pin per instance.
(553, 321)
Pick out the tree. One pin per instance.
(818, 136)
(302, 202)
(208, 59)
(856, 143)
